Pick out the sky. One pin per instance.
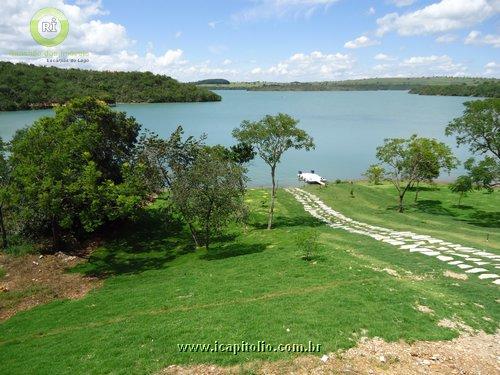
(268, 40)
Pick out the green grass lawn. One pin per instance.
(251, 286)
(475, 223)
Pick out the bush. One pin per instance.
(307, 243)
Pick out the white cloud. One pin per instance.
(434, 64)
(384, 57)
(213, 24)
(443, 16)
(266, 9)
(85, 32)
(371, 11)
(362, 41)
(178, 34)
(313, 66)
(402, 3)
(475, 37)
(227, 62)
(492, 68)
(446, 38)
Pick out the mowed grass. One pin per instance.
(253, 285)
(476, 222)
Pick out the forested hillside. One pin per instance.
(24, 86)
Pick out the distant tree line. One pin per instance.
(451, 86)
(485, 89)
(24, 86)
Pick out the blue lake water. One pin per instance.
(346, 126)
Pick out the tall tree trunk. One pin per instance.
(193, 234)
(416, 192)
(273, 196)
(56, 235)
(400, 206)
(2, 228)
(460, 198)
(207, 237)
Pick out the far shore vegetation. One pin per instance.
(24, 86)
(447, 86)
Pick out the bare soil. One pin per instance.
(32, 280)
(467, 354)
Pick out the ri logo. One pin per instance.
(49, 27)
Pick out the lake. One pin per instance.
(347, 126)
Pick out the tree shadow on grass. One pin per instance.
(283, 222)
(485, 219)
(424, 188)
(148, 243)
(428, 206)
(232, 250)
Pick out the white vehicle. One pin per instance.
(311, 178)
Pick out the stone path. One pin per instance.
(484, 264)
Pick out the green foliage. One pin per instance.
(453, 86)
(479, 127)
(271, 137)
(484, 89)
(25, 86)
(209, 193)
(212, 81)
(375, 174)
(484, 174)
(76, 171)
(462, 185)
(413, 160)
(307, 243)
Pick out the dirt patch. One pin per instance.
(424, 309)
(455, 275)
(32, 280)
(465, 355)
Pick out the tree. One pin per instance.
(462, 185)
(271, 137)
(210, 193)
(78, 170)
(375, 173)
(413, 159)
(433, 156)
(4, 189)
(484, 174)
(168, 158)
(479, 127)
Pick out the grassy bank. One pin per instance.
(251, 286)
(476, 222)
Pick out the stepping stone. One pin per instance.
(476, 270)
(433, 240)
(497, 282)
(464, 266)
(431, 253)
(444, 258)
(474, 259)
(407, 247)
(442, 248)
(488, 276)
(455, 262)
(481, 263)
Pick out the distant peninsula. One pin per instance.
(447, 86)
(24, 86)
